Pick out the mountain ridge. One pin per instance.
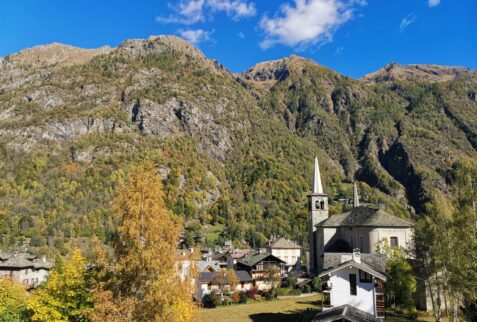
(234, 151)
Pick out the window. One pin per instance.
(209, 286)
(352, 284)
(361, 243)
(365, 277)
(25, 281)
(242, 285)
(394, 241)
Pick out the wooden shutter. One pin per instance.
(352, 284)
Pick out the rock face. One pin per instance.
(56, 54)
(422, 72)
(236, 148)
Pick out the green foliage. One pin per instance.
(66, 294)
(401, 283)
(211, 300)
(13, 302)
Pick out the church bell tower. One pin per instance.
(317, 212)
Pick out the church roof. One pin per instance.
(365, 216)
(345, 313)
(283, 243)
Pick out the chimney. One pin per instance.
(356, 255)
(43, 258)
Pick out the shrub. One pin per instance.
(268, 296)
(227, 301)
(211, 300)
(243, 297)
(236, 297)
(251, 293)
(281, 291)
(296, 291)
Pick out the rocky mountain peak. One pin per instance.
(275, 70)
(418, 72)
(157, 44)
(55, 54)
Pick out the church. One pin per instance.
(344, 253)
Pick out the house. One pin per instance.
(24, 268)
(208, 284)
(355, 282)
(287, 251)
(257, 266)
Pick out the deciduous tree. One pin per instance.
(140, 281)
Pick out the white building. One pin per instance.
(24, 268)
(287, 251)
(355, 283)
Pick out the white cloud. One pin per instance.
(189, 12)
(233, 8)
(406, 21)
(195, 36)
(433, 3)
(308, 22)
(241, 35)
(339, 50)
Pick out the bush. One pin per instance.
(295, 292)
(236, 297)
(268, 296)
(251, 293)
(227, 301)
(211, 300)
(243, 297)
(281, 291)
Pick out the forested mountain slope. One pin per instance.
(234, 151)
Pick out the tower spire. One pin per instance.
(355, 195)
(317, 187)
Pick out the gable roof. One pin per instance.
(202, 265)
(365, 216)
(346, 313)
(244, 276)
(362, 266)
(283, 243)
(207, 277)
(256, 258)
(375, 261)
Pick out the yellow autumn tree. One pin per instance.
(140, 282)
(13, 301)
(66, 294)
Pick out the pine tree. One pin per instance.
(141, 281)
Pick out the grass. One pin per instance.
(296, 309)
(212, 232)
(286, 310)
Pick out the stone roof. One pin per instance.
(376, 261)
(362, 266)
(244, 276)
(283, 243)
(23, 260)
(256, 258)
(207, 277)
(344, 313)
(202, 265)
(365, 216)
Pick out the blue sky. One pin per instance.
(353, 37)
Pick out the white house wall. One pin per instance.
(340, 291)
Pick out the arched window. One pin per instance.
(322, 204)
